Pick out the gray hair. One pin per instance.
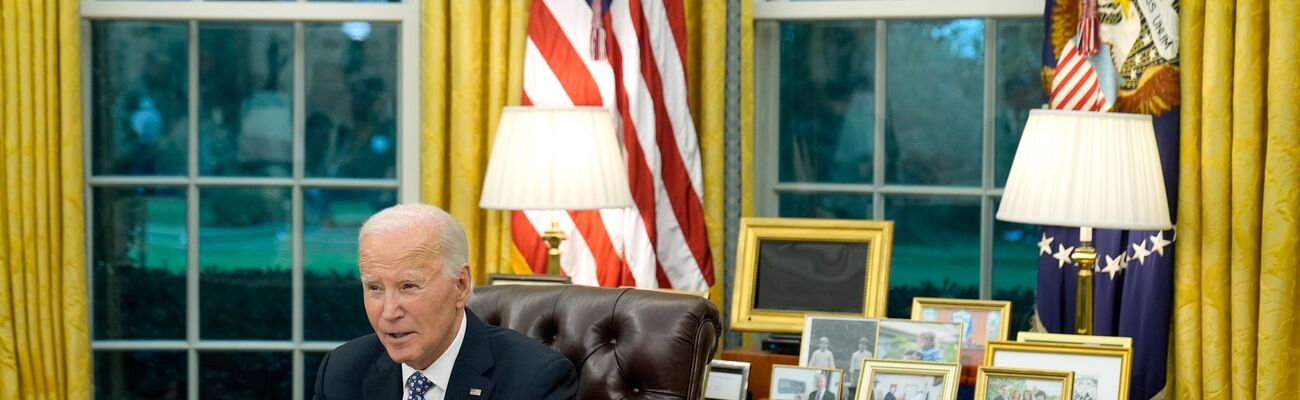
(451, 244)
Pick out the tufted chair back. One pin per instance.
(625, 343)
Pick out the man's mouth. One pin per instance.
(399, 335)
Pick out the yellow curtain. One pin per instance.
(1237, 289)
(44, 337)
(473, 66)
(473, 56)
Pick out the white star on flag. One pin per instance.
(1062, 255)
(1158, 243)
(1140, 252)
(1114, 265)
(1045, 245)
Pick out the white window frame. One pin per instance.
(767, 18)
(406, 14)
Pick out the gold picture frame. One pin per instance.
(988, 320)
(1102, 372)
(1065, 338)
(523, 279)
(878, 376)
(780, 263)
(1063, 392)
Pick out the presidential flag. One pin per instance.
(1136, 72)
(628, 56)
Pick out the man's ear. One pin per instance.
(464, 285)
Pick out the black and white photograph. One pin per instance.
(838, 342)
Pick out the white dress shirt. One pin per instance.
(439, 372)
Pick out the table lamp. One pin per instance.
(555, 158)
(1090, 170)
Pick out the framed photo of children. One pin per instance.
(997, 383)
(1100, 373)
(907, 380)
(982, 321)
(803, 383)
(899, 339)
(838, 342)
(789, 268)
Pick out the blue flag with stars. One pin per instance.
(1133, 281)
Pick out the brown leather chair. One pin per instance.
(625, 343)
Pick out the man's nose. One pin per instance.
(392, 307)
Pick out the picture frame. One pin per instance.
(898, 380)
(849, 340)
(791, 382)
(908, 340)
(982, 321)
(999, 383)
(788, 268)
(521, 279)
(1065, 338)
(1100, 372)
(726, 380)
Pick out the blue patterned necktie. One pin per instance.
(419, 386)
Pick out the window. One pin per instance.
(909, 111)
(234, 150)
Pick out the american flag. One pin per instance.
(1075, 85)
(640, 73)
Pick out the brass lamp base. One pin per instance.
(1085, 257)
(553, 237)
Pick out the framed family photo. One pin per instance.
(726, 380)
(997, 383)
(1065, 338)
(1100, 373)
(899, 339)
(788, 268)
(804, 383)
(907, 380)
(838, 342)
(981, 320)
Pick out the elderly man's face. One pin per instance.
(414, 309)
(821, 382)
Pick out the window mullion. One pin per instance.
(878, 159)
(299, 137)
(192, 217)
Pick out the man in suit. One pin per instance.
(415, 282)
(821, 393)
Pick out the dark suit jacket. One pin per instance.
(826, 395)
(501, 363)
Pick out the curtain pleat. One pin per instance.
(44, 322)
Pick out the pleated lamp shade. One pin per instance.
(1087, 169)
(556, 159)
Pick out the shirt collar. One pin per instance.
(440, 371)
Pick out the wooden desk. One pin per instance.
(760, 367)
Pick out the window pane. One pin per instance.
(139, 262)
(827, 103)
(1019, 86)
(351, 75)
(936, 250)
(311, 366)
(140, 374)
(1015, 270)
(141, 96)
(332, 308)
(245, 254)
(935, 102)
(245, 99)
(825, 205)
(245, 375)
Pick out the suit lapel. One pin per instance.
(384, 382)
(470, 376)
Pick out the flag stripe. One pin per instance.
(681, 195)
(560, 55)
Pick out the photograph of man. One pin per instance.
(929, 352)
(1002, 394)
(855, 362)
(892, 393)
(415, 278)
(821, 393)
(822, 358)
